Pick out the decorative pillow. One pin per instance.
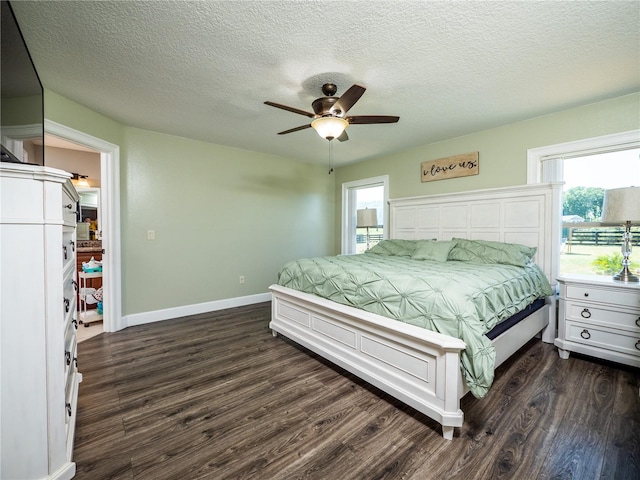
(397, 247)
(485, 251)
(433, 250)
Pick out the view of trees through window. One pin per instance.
(588, 247)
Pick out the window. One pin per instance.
(588, 168)
(368, 193)
(588, 247)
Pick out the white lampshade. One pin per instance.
(621, 205)
(329, 127)
(367, 217)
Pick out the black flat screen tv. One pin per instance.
(22, 107)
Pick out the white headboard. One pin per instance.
(527, 214)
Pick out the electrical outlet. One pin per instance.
(241, 279)
(151, 234)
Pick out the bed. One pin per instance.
(420, 367)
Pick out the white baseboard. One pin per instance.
(186, 310)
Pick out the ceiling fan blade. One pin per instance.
(365, 119)
(291, 109)
(291, 130)
(348, 99)
(343, 136)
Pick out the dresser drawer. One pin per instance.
(71, 326)
(70, 358)
(71, 371)
(70, 340)
(69, 208)
(68, 246)
(69, 287)
(69, 212)
(602, 338)
(617, 297)
(603, 315)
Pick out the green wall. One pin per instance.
(217, 213)
(73, 115)
(502, 151)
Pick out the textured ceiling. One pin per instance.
(203, 69)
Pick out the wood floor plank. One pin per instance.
(105, 468)
(537, 385)
(578, 447)
(216, 396)
(621, 454)
(213, 450)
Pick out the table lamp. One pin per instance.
(367, 217)
(622, 206)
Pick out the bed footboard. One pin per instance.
(419, 367)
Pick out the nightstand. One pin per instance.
(599, 317)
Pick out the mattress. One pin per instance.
(456, 298)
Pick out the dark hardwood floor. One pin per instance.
(217, 396)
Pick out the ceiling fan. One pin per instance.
(329, 117)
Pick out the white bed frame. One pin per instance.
(417, 366)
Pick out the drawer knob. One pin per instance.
(75, 323)
(68, 407)
(66, 305)
(75, 285)
(586, 335)
(67, 357)
(69, 206)
(638, 321)
(585, 313)
(64, 250)
(638, 345)
(586, 294)
(73, 246)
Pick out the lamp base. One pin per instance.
(625, 275)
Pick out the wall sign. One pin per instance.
(451, 167)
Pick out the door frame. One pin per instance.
(110, 207)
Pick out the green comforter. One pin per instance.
(459, 299)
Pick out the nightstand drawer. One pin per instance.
(603, 338)
(602, 315)
(618, 297)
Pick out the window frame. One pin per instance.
(348, 222)
(545, 164)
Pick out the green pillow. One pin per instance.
(485, 251)
(394, 247)
(433, 250)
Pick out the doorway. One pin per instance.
(110, 217)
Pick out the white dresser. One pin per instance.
(599, 317)
(39, 374)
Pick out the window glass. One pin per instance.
(370, 198)
(587, 247)
(368, 193)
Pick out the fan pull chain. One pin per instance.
(330, 157)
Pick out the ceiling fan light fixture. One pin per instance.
(329, 127)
